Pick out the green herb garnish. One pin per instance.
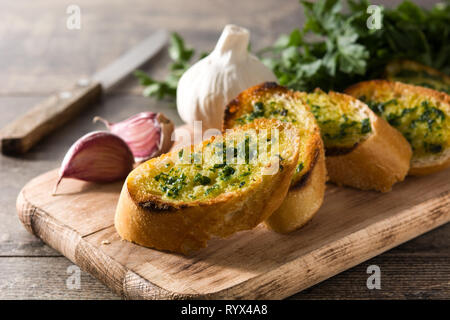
(365, 126)
(211, 189)
(335, 48)
(227, 172)
(171, 185)
(203, 180)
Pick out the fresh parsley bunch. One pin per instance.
(334, 49)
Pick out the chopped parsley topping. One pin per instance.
(378, 107)
(246, 173)
(258, 110)
(200, 179)
(432, 147)
(300, 167)
(338, 128)
(420, 124)
(211, 189)
(269, 110)
(227, 172)
(365, 126)
(171, 185)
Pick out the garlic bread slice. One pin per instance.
(228, 183)
(362, 150)
(411, 72)
(305, 196)
(421, 114)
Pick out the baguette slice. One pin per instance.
(307, 187)
(421, 114)
(362, 150)
(411, 72)
(178, 201)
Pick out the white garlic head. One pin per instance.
(210, 84)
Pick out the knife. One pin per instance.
(24, 132)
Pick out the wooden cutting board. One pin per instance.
(351, 227)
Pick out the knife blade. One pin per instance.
(24, 132)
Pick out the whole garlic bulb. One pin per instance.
(210, 84)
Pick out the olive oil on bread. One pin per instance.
(270, 100)
(421, 114)
(178, 201)
(362, 150)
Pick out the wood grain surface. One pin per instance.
(39, 56)
(351, 227)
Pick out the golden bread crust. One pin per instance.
(305, 195)
(393, 67)
(424, 170)
(420, 166)
(375, 164)
(302, 201)
(185, 228)
(399, 88)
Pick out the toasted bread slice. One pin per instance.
(307, 187)
(411, 72)
(228, 183)
(362, 150)
(421, 114)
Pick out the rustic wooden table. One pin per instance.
(38, 55)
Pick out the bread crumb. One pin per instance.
(105, 242)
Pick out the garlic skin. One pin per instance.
(98, 156)
(148, 134)
(210, 84)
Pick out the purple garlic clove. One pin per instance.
(98, 156)
(148, 134)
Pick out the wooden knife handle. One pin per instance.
(19, 136)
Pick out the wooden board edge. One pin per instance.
(71, 244)
(45, 227)
(276, 284)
